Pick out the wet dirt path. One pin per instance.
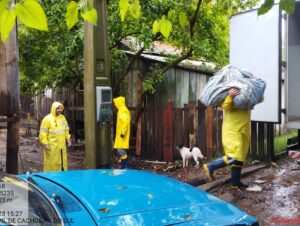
(278, 203)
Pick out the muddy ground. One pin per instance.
(277, 202)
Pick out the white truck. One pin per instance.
(263, 44)
(269, 47)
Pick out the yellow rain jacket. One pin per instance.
(54, 131)
(235, 130)
(123, 124)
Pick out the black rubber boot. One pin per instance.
(124, 163)
(216, 164)
(236, 178)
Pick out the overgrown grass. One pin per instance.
(280, 142)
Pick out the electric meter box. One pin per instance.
(103, 103)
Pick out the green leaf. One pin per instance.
(165, 27)
(265, 7)
(32, 15)
(3, 5)
(7, 23)
(155, 27)
(72, 14)
(90, 16)
(135, 9)
(172, 14)
(123, 5)
(82, 4)
(288, 6)
(182, 19)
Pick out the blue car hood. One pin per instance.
(135, 197)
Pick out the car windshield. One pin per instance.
(23, 203)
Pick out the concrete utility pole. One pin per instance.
(96, 74)
(10, 98)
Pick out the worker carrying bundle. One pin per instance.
(251, 88)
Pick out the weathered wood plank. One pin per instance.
(192, 123)
(201, 82)
(253, 150)
(150, 128)
(182, 88)
(192, 86)
(168, 133)
(170, 87)
(201, 134)
(186, 141)
(209, 131)
(270, 142)
(261, 141)
(159, 128)
(178, 130)
(9, 76)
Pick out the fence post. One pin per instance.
(253, 151)
(186, 124)
(168, 133)
(192, 123)
(209, 130)
(261, 139)
(201, 132)
(270, 142)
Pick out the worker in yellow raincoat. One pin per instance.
(54, 133)
(122, 131)
(235, 139)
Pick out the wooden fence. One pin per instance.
(161, 128)
(193, 125)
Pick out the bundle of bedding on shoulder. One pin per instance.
(251, 88)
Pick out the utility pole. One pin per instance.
(97, 92)
(10, 98)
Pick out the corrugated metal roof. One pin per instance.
(159, 52)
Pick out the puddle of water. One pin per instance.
(283, 204)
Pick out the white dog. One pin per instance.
(188, 153)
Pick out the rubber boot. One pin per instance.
(216, 164)
(236, 177)
(124, 163)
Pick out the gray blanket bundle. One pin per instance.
(251, 88)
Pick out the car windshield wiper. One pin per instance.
(59, 202)
(56, 197)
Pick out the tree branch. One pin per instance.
(117, 42)
(192, 32)
(129, 66)
(194, 19)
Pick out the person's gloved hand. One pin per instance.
(69, 143)
(47, 147)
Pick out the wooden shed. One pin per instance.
(170, 116)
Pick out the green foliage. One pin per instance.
(165, 26)
(7, 23)
(72, 14)
(132, 10)
(170, 21)
(280, 142)
(265, 7)
(51, 59)
(154, 77)
(287, 5)
(31, 14)
(88, 13)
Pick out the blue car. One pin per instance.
(118, 197)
